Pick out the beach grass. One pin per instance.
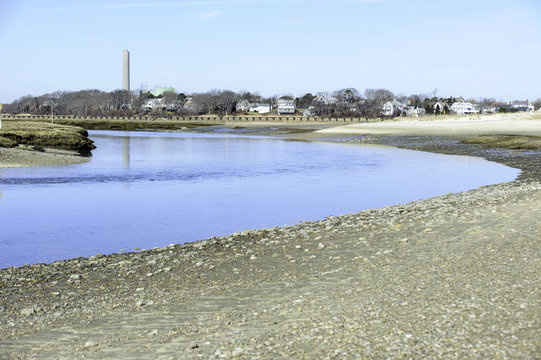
(522, 142)
(46, 135)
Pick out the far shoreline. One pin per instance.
(518, 130)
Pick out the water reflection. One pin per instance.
(126, 151)
(151, 189)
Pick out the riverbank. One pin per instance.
(455, 276)
(25, 144)
(27, 157)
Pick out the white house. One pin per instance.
(263, 108)
(390, 108)
(242, 105)
(522, 105)
(462, 108)
(309, 111)
(286, 106)
(439, 107)
(174, 106)
(324, 100)
(159, 104)
(415, 111)
(190, 104)
(152, 104)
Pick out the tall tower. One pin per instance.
(126, 70)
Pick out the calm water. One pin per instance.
(143, 190)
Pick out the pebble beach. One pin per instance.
(450, 277)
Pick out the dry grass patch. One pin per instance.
(507, 141)
(41, 134)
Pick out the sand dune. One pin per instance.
(511, 124)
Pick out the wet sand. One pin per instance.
(28, 157)
(455, 276)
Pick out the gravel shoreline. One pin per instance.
(454, 276)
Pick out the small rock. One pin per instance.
(194, 345)
(90, 343)
(238, 351)
(139, 303)
(27, 311)
(74, 277)
(321, 246)
(153, 333)
(253, 257)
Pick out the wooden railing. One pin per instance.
(213, 119)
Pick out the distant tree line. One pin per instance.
(348, 102)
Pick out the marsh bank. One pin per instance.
(448, 277)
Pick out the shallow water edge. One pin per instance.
(135, 197)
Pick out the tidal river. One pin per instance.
(144, 190)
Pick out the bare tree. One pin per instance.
(169, 97)
(252, 97)
(227, 100)
(375, 98)
(537, 104)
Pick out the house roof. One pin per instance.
(520, 103)
(160, 91)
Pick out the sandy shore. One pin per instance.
(455, 276)
(461, 126)
(28, 157)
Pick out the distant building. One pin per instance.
(159, 104)
(263, 108)
(242, 105)
(320, 99)
(462, 108)
(522, 105)
(517, 105)
(415, 111)
(309, 112)
(440, 107)
(174, 106)
(190, 104)
(153, 104)
(391, 108)
(286, 106)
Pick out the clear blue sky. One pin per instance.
(470, 48)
